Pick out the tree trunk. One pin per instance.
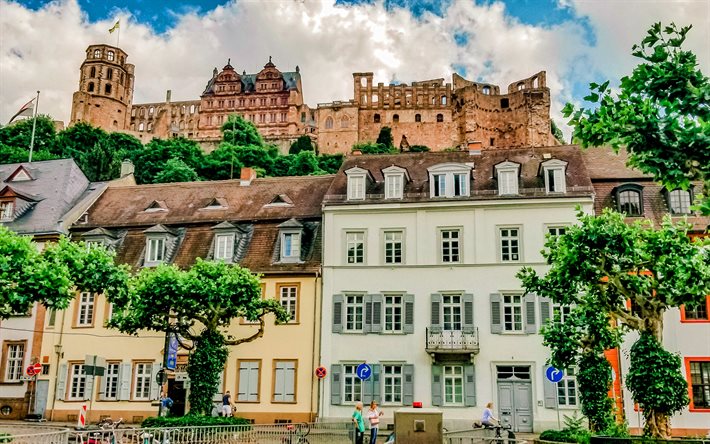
(657, 425)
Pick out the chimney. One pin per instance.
(246, 176)
(167, 96)
(474, 148)
(127, 168)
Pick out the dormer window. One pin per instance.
(678, 201)
(357, 183)
(159, 241)
(156, 205)
(553, 171)
(394, 182)
(7, 210)
(507, 174)
(291, 235)
(224, 247)
(155, 250)
(100, 237)
(450, 180)
(217, 203)
(19, 175)
(629, 199)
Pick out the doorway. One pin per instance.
(515, 397)
(178, 393)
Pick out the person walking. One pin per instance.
(373, 417)
(226, 404)
(359, 423)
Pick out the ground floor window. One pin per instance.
(453, 384)
(352, 385)
(392, 378)
(77, 381)
(699, 383)
(567, 389)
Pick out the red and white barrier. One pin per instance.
(81, 421)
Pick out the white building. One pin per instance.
(420, 257)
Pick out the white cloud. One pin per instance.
(43, 49)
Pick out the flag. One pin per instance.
(115, 26)
(26, 110)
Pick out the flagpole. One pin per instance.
(34, 126)
(118, 36)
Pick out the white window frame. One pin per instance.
(507, 174)
(393, 305)
(564, 310)
(288, 298)
(155, 250)
(452, 308)
(77, 382)
(556, 230)
(224, 246)
(454, 375)
(292, 251)
(111, 380)
(142, 372)
(14, 363)
(353, 239)
(354, 309)
(510, 245)
(446, 177)
(394, 182)
(553, 171)
(246, 373)
(357, 183)
(392, 384)
(446, 241)
(86, 310)
(282, 392)
(7, 210)
(512, 313)
(680, 200)
(352, 385)
(568, 389)
(389, 238)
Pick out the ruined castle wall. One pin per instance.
(337, 128)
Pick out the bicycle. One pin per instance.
(298, 432)
(499, 438)
(106, 433)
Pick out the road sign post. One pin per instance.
(555, 375)
(363, 371)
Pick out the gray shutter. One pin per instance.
(62, 381)
(124, 387)
(408, 384)
(371, 387)
(377, 302)
(545, 311)
(338, 301)
(436, 301)
(367, 325)
(336, 372)
(468, 313)
(469, 385)
(253, 390)
(496, 324)
(103, 387)
(550, 389)
(154, 386)
(220, 388)
(88, 385)
(408, 314)
(436, 385)
(530, 325)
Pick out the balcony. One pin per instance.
(450, 342)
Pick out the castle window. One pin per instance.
(439, 117)
(375, 98)
(284, 100)
(107, 88)
(443, 100)
(521, 86)
(395, 118)
(109, 74)
(150, 126)
(90, 87)
(283, 117)
(97, 53)
(115, 123)
(417, 117)
(273, 85)
(220, 103)
(141, 126)
(363, 82)
(241, 103)
(376, 118)
(486, 90)
(504, 103)
(303, 117)
(262, 102)
(151, 110)
(344, 122)
(274, 101)
(192, 109)
(110, 55)
(92, 72)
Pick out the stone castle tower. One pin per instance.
(105, 89)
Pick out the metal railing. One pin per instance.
(479, 436)
(452, 341)
(35, 437)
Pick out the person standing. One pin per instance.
(359, 423)
(226, 404)
(373, 417)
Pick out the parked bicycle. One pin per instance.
(296, 433)
(501, 430)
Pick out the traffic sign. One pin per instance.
(321, 372)
(363, 371)
(554, 374)
(34, 369)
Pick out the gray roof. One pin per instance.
(56, 186)
(290, 80)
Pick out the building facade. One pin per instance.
(271, 226)
(420, 257)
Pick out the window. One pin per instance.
(556, 231)
(567, 389)
(111, 380)
(355, 245)
(288, 297)
(107, 88)
(141, 380)
(393, 247)
(450, 252)
(352, 385)
(356, 187)
(564, 311)
(7, 210)
(486, 90)
(699, 373)
(90, 87)
(394, 313)
(512, 313)
(698, 313)
(553, 171)
(507, 174)
(504, 103)
(110, 55)
(679, 201)
(453, 384)
(354, 312)
(97, 53)
(92, 72)
(376, 118)
(393, 186)
(224, 247)
(460, 184)
(291, 246)
(249, 376)
(156, 250)
(629, 199)
(109, 74)
(509, 244)
(439, 117)
(14, 362)
(85, 314)
(395, 118)
(285, 381)
(439, 185)
(344, 122)
(451, 310)
(449, 180)
(392, 378)
(77, 382)
(417, 117)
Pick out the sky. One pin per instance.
(175, 45)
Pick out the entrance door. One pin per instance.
(41, 391)
(177, 392)
(515, 397)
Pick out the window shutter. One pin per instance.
(62, 381)
(408, 384)
(550, 389)
(253, 393)
(545, 311)
(371, 387)
(468, 313)
(88, 385)
(336, 372)
(496, 324)
(338, 313)
(154, 386)
(377, 301)
(436, 301)
(103, 388)
(469, 385)
(124, 389)
(290, 381)
(529, 301)
(408, 314)
(436, 385)
(367, 325)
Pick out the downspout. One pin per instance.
(56, 368)
(316, 340)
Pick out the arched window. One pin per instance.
(443, 100)
(629, 199)
(376, 118)
(151, 110)
(115, 123)
(395, 118)
(486, 90)
(439, 117)
(521, 86)
(90, 87)
(150, 126)
(92, 72)
(110, 55)
(417, 117)
(329, 123)
(375, 98)
(141, 126)
(192, 109)
(107, 88)
(535, 82)
(344, 122)
(363, 82)
(363, 99)
(109, 74)
(97, 53)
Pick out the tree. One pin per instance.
(199, 305)
(176, 170)
(373, 148)
(150, 161)
(330, 163)
(52, 277)
(660, 113)
(238, 131)
(557, 133)
(221, 164)
(303, 143)
(385, 137)
(305, 163)
(603, 263)
(15, 140)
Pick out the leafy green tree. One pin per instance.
(557, 133)
(283, 165)
(150, 161)
(239, 131)
(373, 148)
(601, 264)
(14, 154)
(660, 113)
(303, 143)
(199, 305)
(176, 170)
(330, 163)
(100, 162)
(305, 163)
(15, 140)
(75, 140)
(254, 156)
(52, 277)
(221, 164)
(385, 137)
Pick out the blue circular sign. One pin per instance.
(554, 374)
(363, 371)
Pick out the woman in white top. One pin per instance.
(373, 417)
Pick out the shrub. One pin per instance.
(193, 421)
(373, 148)
(419, 149)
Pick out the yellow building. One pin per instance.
(271, 226)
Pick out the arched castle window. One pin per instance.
(141, 126)
(395, 118)
(486, 90)
(97, 53)
(92, 72)
(150, 126)
(107, 89)
(151, 110)
(363, 99)
(344, 122)
(521, 86)
(375, 98)
(417, 117)
(443, 100)
(363, 82)
(439, 117)
(329, 123)
(192, 109)
(90, 87)
(111, 56)
(376, 118)
(109, 74)
(115, 123)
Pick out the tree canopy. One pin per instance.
(659, 113)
